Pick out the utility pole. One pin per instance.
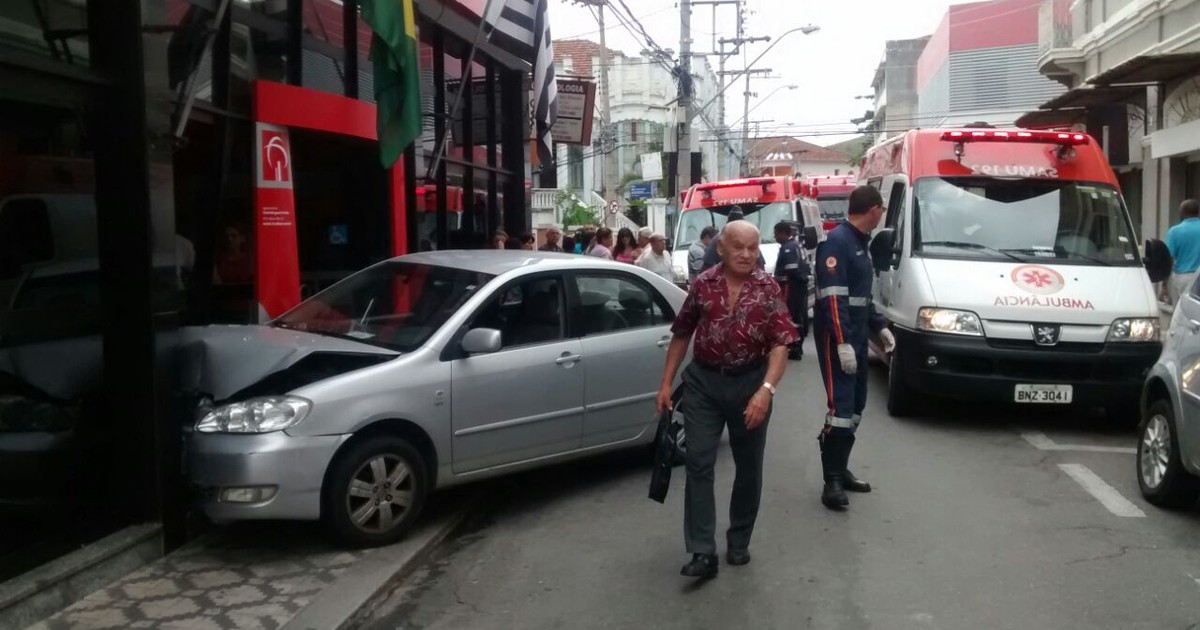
(746, 120)
(683, 148)
(608, 137)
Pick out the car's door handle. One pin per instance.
(569, 358)
(1194, 326)
(664, 342)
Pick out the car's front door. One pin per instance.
(1187, 324)
(625, 327)
(526, 400)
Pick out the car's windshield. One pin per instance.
(833, 208)
(397, 305)
(1023, 219)
(762, 215)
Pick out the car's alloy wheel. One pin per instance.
(1161, 475)
(374, 491)
(379, 494)
(1155, 450)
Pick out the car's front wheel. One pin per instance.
(1161, 476)
(374, 491)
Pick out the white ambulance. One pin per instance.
(1009, 271)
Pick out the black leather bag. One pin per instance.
(664, 459)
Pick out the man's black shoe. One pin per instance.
(702, 566)
(834, 496)
(854, 484)
(737, 557)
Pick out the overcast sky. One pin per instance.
(831, 66)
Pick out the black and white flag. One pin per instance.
(523, 27)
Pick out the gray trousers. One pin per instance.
(710, 403)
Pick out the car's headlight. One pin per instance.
(1134, 329)
(255, 415)
(946, 320)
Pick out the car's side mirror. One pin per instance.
(883, 250)
(482, 341)
(1158, 260)
(810, 237)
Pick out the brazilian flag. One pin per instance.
(397, 75)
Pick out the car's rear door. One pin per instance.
(525, 401)
(624, 323)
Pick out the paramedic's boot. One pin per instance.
(833, 496)
(849, 481)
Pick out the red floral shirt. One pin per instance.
(730, 337)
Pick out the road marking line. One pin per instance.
(1042, 442)
(1107, 495)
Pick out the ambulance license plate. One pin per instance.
(1049, 394)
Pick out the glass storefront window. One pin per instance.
(51, 29)
(54, 438)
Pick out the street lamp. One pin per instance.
(809, 29)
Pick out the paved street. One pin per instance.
(1004, 519)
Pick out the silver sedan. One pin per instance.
(1168, 455)
(423, 372)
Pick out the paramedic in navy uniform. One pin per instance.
(844, 318)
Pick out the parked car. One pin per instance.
(419, 373)
(1168, 454)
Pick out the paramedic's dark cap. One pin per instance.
(863, 198)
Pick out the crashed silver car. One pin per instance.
(423, 372)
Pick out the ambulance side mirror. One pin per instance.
(1158, 260)
(883, 250)
(811, 238)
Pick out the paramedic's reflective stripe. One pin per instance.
(791, 266)
(860, 301)
(831, 291)
(845, 423)
(856, 419)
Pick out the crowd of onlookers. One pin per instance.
(645, 248)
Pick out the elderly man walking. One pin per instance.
(742, 331)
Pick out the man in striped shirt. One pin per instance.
(844, 319)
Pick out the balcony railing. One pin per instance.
(1054, 25)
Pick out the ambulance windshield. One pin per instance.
(1024, 219)
(763, 215)
(833, 208)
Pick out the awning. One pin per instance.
(1052, 119)
(1150, 69)
(1094, 96)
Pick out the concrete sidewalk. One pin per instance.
(265, 575)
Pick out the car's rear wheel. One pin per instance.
(1161, 476)
(374, 491)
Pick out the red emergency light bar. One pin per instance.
(733, 183)
(1047, 137)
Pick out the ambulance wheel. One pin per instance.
(901, 400)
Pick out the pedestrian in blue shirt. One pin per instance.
(1183, 241)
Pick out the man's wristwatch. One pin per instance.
(770, 387)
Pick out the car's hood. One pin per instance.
(1036, 292)
(220, 361)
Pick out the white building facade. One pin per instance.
(1133, 69)
(643, 114)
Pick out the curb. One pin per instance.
(344, 603)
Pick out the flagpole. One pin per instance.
(463, 85)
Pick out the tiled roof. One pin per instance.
(580, 52)
(770, 148)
